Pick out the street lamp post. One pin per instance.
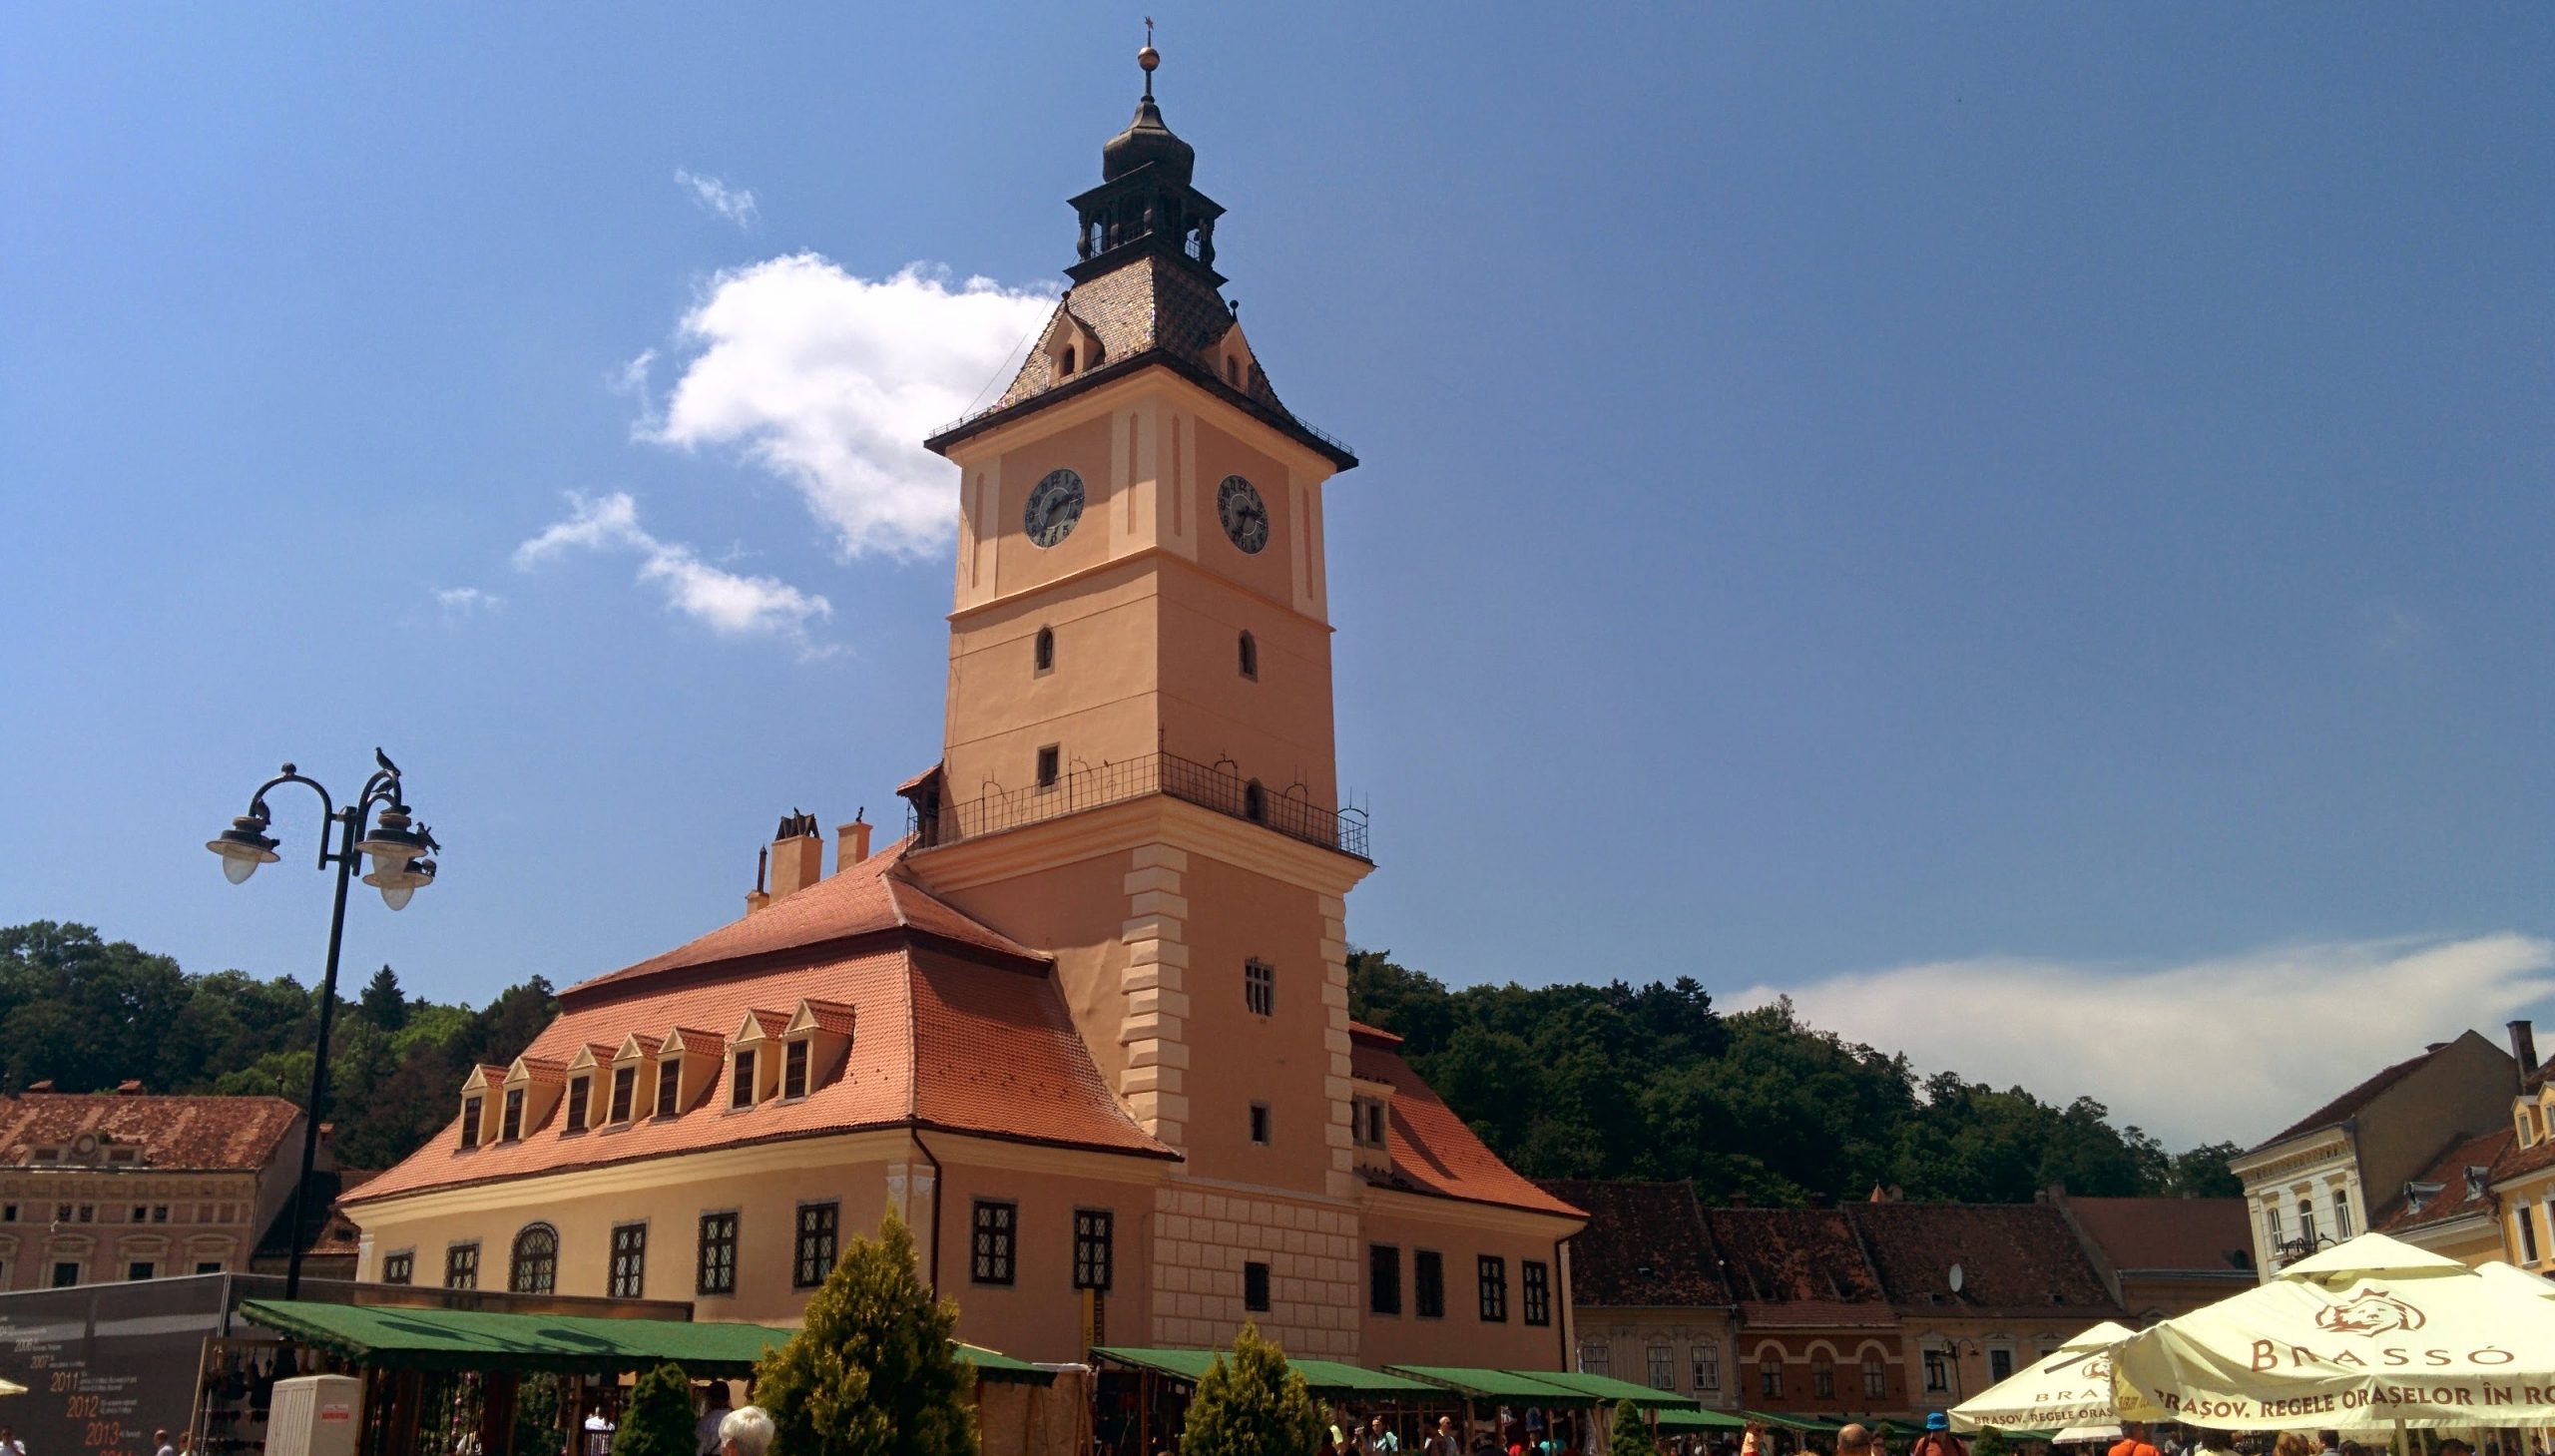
(398, 846)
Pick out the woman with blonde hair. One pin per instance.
(2290, 1443)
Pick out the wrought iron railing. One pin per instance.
(1216, 787)
(1299, 421)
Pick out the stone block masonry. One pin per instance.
(1202, 1239)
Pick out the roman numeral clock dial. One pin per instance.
(1244, 514)
(1054, 506)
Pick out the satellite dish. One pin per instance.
(1957, 1279)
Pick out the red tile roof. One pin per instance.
(2517, 1159)
(2169, 1235)
(1793, 1256)
(1645, 1247)
(869, 898)
(202, 1133)
(952, 1042)
(2457, 1196)
(1431, 1148)
(2014, 1259)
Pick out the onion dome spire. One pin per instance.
(1146, 141)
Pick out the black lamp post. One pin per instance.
(398, 847)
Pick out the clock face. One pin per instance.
(1053, 508)
(1244, 514)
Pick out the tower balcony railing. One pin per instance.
(1218, 787)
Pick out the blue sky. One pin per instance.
(1921, 508)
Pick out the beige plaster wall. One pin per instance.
(214, 1218)
(1461, 1235)
(1626, 1337)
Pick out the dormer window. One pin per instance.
(740, 1085)
(1065, 367)
(1233, 371)
(512, 1127)
(794, 1068)
(470, 1121)
(579, 1090)
(625, 1082)
(669, 1086)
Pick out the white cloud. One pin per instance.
(831, 382)
(736, 204)
(723, 601)
(459, 604)
(2230, 1048)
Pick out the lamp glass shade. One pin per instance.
(242, 849)
(396, 896)
(398, 885)
(238, 867)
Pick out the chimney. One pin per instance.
(798, 856)
(2525, 1050)
(851, 841)
(758, 897)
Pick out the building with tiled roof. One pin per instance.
(1651, 1301)
(2521, 1184)
(2450, 1208)
(1086, 1025)
(1980, 1290)
(2163, 1257)
(2318, 1180)
(112, 1186)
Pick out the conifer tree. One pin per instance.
(872, 1371)
(1251, 1405)
(659, 1420)
(1629, 1437)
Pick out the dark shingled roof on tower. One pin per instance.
(1645, 1246)
(2015, 1259)
(2343, 1108)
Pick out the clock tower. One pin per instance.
(1138, 769)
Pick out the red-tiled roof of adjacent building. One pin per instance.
(2014, 1259)
(1645, 1247)
(2460, 1183)
(948, 1041)
(1431, 1149)
(2517, 1159)
(2167, 1235)
(2343, 1108)
(207, 1133)
(869, 899)
(1793, 1256)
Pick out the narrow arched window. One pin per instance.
(536, 1260)
(1254, 802)
(1069, 359)
(1233, 371)
(1046, 649)
(1249, 657)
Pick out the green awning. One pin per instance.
(1322, 1377)
(1793, 1422)
(1514, 1387)
(1681, 1418)
(398, 1338)
(1608, 1389)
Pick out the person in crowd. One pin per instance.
(159, 1445)
(2134, 1440)
(1442, 1439)
(2215, 1443)
(1377, 1440)
(2290, 1443)
(2328, 1443)
(10, 1445)
(2455, 1447)
(1855, 1440)
(713, 1413)
(747, 1431)
(1938, 1440)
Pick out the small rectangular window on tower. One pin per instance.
(1044, 655)
(1049, 761)
(1259, 987)
(1255, 1287)
(1251, 657)
(1259, 1122)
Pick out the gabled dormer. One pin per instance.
(530, 1095)
(813, 1044)
(688, 1066)
(630, 1096)
(589, 1074)
(479, 1095)
(754, 1058)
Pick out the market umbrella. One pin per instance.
(2368, 1333)
(2071, 1386)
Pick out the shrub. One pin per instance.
(1251, 1405)
(873, 1371)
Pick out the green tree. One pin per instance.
(383, 1002)
(1626, 1435)
(658, 1421)
(872, 1370)
(1251, 1405)
(2203, 1173)
(1992, 1442)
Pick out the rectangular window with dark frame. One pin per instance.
(718, 1275)
(1255, 1287)
(624, 1085)
(629, 1261)
(461, 1266)
(819, 1227)
(1259, 1122)
(1259, 988)
(741, 1082)
(1049, 763)
(510, 1126)
(794, 1068)
(1428, 1284)
(1095, 1248)
(1492, 1271)
(470, 1121)
(400, 1267)
(1535, 1280)
(1383, 1279)
(669, 1086)
(579, 1090)
(995, 1225)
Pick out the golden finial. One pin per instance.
(1149, 58)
